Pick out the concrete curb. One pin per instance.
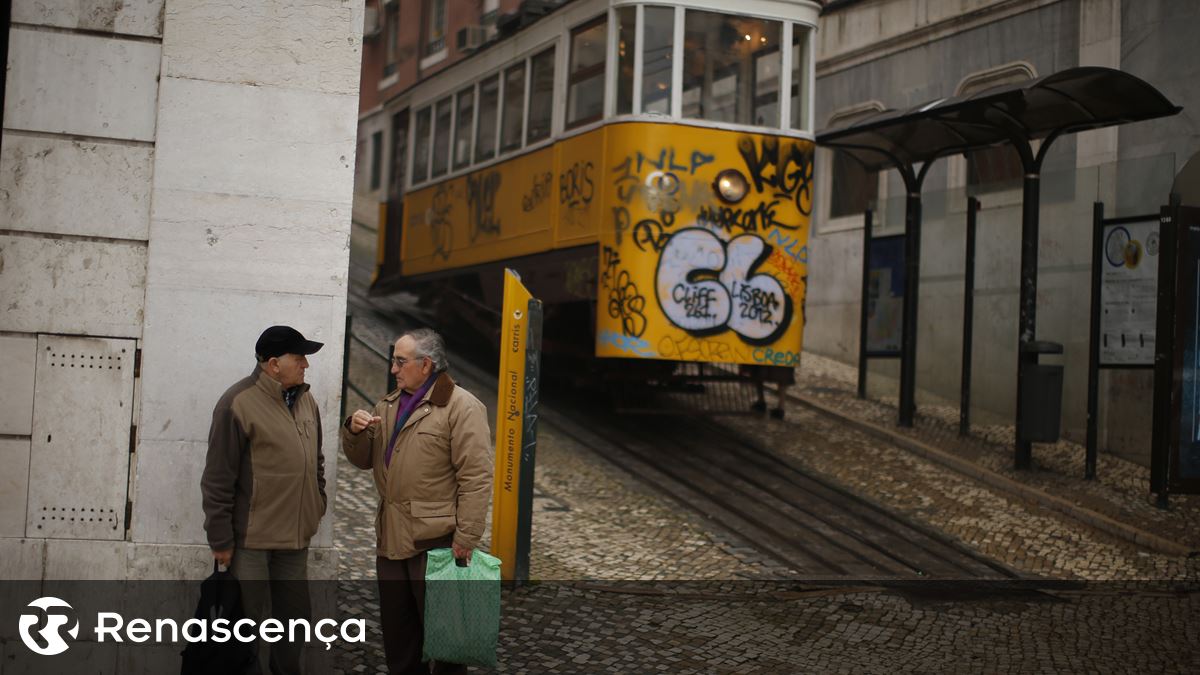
(1082, 514)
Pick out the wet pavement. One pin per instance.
(626, 580)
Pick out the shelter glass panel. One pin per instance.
(541, 96)
(731, 68)
(463, 127)
(441, 137)
(514, 108)
(659, 38)
(489, 101)
(626, 45)
(993, 169)
(421, 145)
(585, 80)
(853, 188)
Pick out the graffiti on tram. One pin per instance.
(726, 277)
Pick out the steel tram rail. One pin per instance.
(820, 530)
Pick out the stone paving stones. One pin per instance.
(1121, 488)
(625, 582)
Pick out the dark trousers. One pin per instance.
(275, 585)
(401, 613)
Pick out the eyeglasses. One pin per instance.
(399, 361)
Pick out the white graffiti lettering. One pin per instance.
(706, 286)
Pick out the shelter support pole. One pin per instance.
(862, 314)
(964, 402)
(912, 270)
(1093, 392)
(1028, 305)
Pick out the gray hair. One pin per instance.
(430, 344)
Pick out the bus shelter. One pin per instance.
(1046, 108)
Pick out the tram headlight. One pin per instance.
(731, 186)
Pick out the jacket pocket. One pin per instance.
(431, 520)
(273, 521)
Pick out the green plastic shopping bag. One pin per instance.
(462, 609)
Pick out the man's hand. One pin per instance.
(462, 553)
(223, 557)
(361, 419)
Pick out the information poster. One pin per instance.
(1128, 294)
(885, 295)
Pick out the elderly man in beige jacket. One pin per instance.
(429, 447)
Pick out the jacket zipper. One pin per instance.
(304, 483)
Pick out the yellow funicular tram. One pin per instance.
(646, 167)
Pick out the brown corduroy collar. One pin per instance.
(438, 394)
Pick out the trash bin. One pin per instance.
(1041, 393)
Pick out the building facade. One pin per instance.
(876, 54)
(405, 41)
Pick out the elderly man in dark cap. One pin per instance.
(264, 486)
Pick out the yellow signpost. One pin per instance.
(516, 428)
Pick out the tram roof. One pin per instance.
(1069, 101)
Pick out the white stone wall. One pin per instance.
(180, 174)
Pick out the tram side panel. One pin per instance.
(685, 275)
(483, 216)
(579, 188)
(626, 215)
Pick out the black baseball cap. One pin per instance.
(280, 340)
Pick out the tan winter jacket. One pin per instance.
(264, 479)
(437, 487)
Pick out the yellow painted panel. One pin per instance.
(481, 216)
(687, 277)
(580, 165)
(510, 416)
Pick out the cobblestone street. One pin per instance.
(627, 581)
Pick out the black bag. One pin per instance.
(220, 598)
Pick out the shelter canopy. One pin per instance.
(1077, 99)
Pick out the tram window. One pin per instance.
(800, 38)
(489, 100)
(514, 108)
(399, 154)
(541, 96)
(766, 89)
(585, 81)
(463, 126)
(658, 36)
(441, 137)
(731, 69)
(421, 147)
(626, 45)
